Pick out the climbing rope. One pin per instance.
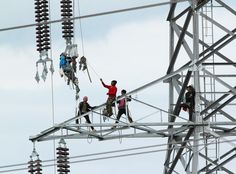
(81, 30)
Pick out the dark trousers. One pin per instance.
(190, 108)
(87, 120)
(123, 111)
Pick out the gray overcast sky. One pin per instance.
(130, 47)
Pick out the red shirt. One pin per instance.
(111, 90)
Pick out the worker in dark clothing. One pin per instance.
(189, 101)
(123, 108)
(83, 108)
(111, 96)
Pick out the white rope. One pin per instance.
(52, 87)
(81, 30)
(93, 70)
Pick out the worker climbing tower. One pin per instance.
(208, 102)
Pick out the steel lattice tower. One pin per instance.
(191, 25)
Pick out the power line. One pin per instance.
(113, 156)
(93, 15)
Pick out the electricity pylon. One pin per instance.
(193, 146)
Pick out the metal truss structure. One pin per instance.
(214, 116)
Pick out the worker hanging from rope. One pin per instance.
(68, 58)
(68, 68)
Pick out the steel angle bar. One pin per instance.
(44, 133)
(181, 14)
(156, 124)
(168, 76)
(176, 86)
(207, 46)
(171, 11)
(220, 81)
(159, 109)
(69, 136)
(83, 132)
(227, 134)
(172, 119)
(221, 164)
(217, 48)
(217, 24)
(201, 4)
(185, 45)
(137, 135)
(212, 105)
(212, 47)
(179, 43)
(189, 161)
(211, 163)
(183, 144)
(220, 63)
(224, 129)
(226, 6)
(185, 165)
(218, 108)
(216, 104)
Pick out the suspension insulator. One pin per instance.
(63, 170)
(42, 31)
(45, 6)
(66, 10)
(31, 167)
(62, 160)
(67, 27)
(39, 49)
(66, 1)
(66, 15)
(47, 48)
(45, 1)
(67, 31)
(46, 35)
(68, 36)
(62, 153)
(38, 28)
(37, 3)
(67, 23)
(66, 6)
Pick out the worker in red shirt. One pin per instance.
(111, 96)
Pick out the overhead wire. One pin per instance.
(113, 156)
(107, 157)
(94, 15)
